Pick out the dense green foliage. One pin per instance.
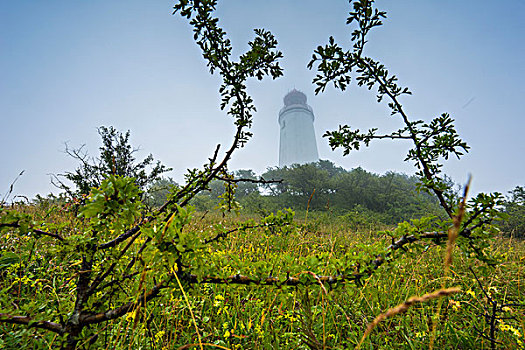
(322, 186)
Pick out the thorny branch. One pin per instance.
(31, 322)
(413, 134)
(255, 181)
(225, 234)
(39, 232)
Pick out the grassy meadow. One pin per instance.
(231, 316)
(127, 259)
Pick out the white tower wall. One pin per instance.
(297, 141)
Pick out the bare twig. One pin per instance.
(255, 181)
(31, 322)
(454, 230)
(39, 232)
(11, 187)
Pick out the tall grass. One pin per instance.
(211, 316)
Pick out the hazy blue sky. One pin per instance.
(68, 67)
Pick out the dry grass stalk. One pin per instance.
(454, 230)
(308, 205)
(191, 311)
(189, 346)
(452, 236)
(405, 306)
(453, 233)
(317, 279)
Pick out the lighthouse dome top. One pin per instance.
(295, 97)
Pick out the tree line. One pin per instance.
(356, 194)
(320, 186)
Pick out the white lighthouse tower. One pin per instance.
(297, 143)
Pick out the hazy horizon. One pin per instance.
(68, 68)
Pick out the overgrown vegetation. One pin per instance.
(259, 317)
(322, 187)
(119, 275)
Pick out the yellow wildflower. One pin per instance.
(455, 304)
(471, 293)
(158, 336)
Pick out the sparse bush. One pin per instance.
(116, 158)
